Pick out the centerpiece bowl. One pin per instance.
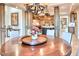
(27, 40)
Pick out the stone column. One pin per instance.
(30, 19)
(57, 21)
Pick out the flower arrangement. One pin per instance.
(35, 32)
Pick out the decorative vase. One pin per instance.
(34, 35)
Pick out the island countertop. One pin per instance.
(47, 26)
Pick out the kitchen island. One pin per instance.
(45, 28)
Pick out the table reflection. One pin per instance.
(53, 47)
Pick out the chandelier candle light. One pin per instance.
(37, 8)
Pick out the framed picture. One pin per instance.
(14, 19)
(64, 23)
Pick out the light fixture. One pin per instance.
(37, 8)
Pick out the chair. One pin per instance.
(28, 32)
(78, 53)
(14, 34)
(50, 32)
(66, 36)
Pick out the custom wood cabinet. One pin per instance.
(44, 20)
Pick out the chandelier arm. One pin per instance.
(36, 8)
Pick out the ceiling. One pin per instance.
(65, 8)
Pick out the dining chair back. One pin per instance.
(28, 32)
(67, 36)
(77, 52)
(14, 34)
(50, 32)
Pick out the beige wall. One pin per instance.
(2, 37)
(21, 19)
(78, 24)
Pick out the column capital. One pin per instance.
(56, 8)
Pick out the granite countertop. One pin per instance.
(47, 26)
(15, 29)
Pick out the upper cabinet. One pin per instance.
(44, 20)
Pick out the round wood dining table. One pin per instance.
(53, 47)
